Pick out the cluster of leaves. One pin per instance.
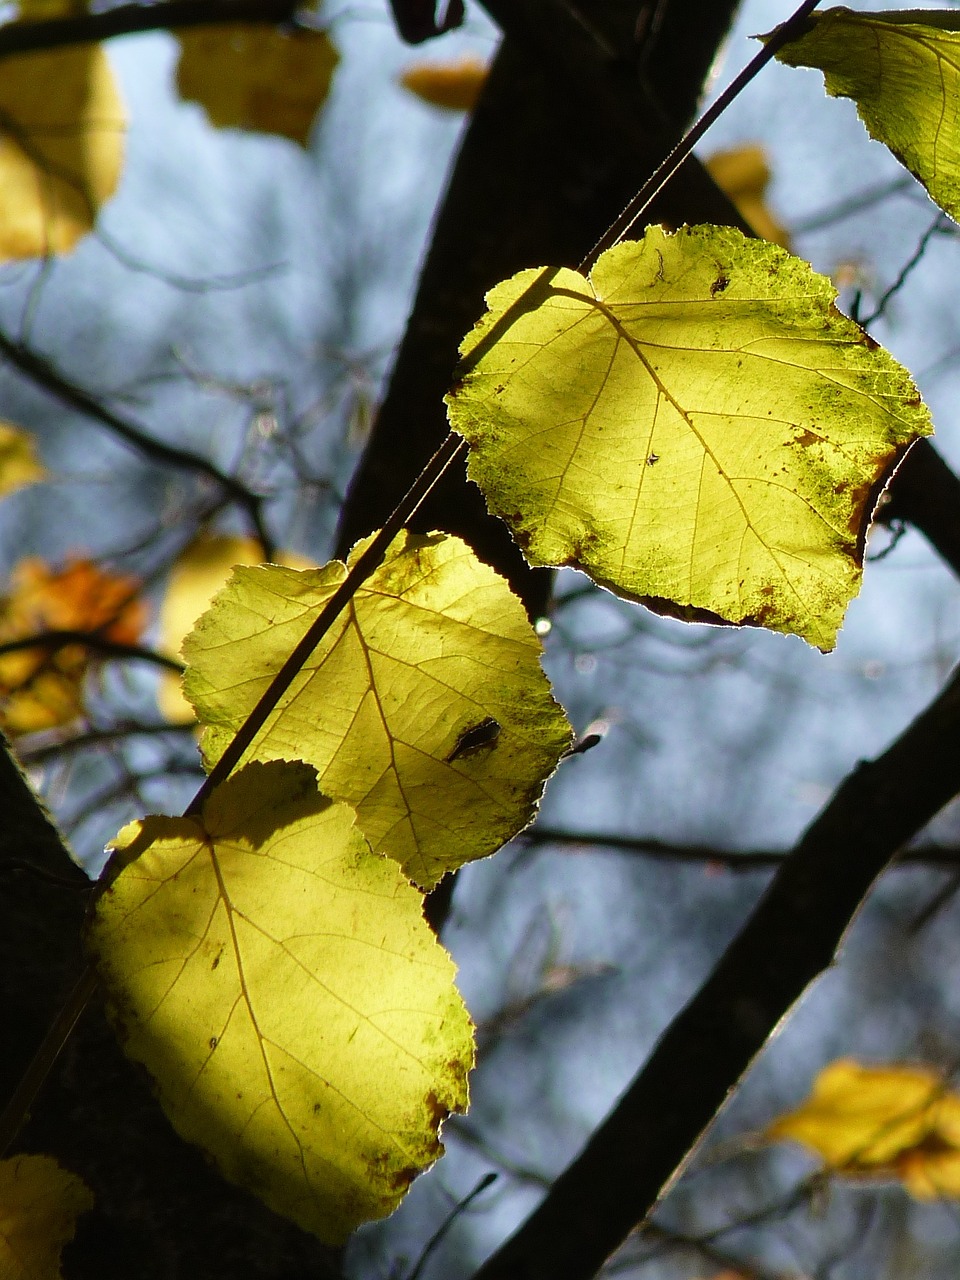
(692, 423)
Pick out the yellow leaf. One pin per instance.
(279, 982)
(19, 465)
(889, 1122)
(744, 174)
(250, 76)
(455, 86)
(42, 687)
(696, 426)
(39, 1207)
(42, 10)
(903, 72)
(61, 148)
(425, 707)
(198, 574)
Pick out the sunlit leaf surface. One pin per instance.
(425, 707)
(250, 76)
(696, 426)
(62, 125)
(888, 1122)
(196, 577)
(902, 69)
(18, 459)
(43, 686)
(39, 1207)
(278, 981)
(454, 86)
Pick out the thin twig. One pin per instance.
(51, 641)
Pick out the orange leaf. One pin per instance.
(42, 686)
(453, 85)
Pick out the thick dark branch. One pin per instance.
(51, 641)
(926, 493)
(42, 373)
(27, 37)
(791, 937)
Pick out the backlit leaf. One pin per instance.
(19, 465)
(425, 707)
(43, 686)
(903, 71)
(280, 984)
(39, 1207)
(196, 577)
(744, 174)
(696, 426)
(454, 86)
(889, 1122)
(62, 126)
(250, 76)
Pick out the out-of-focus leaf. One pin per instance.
(902, 69)
(889, 1122)
(696, 426)
(453, 85)
(250, 76)
(196, 577)
(280, 984)
(62, 125)
(39, 1207)
(425, 707)
(744, 174)
(42, 687)
(43, 10)
(19, 465)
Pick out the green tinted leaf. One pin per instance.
(272, 974)
(696, 426)
(39, 1207)
(425, 707)
(903, 71)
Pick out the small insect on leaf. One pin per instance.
(474, 739)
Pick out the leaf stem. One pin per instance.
(669, 166)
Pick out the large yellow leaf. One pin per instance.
(696, 426)
(39, 1207)
(250, 76)
(279, 982)
(62, 126)
(425, 707)
(196, 577)
(903, 71)
(18, 459)
(889, 1122)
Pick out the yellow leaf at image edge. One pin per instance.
(197, 575)
(19, 465)
(280, 984)
(61, 153)
(250, 76)
(903, 72)
(696, 427)
(39, 1207)
(425, 707)
(881, 1121)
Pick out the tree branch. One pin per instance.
(791, 937)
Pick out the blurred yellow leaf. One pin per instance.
(744, 174)
(39, 1207)
(455, 86)
(891, 1122)
(695, 425)
(42, 687)
(62, 126)
(196, 577)
(250, 76)
(19, 465)
(425, 707)
(279, 982)
(42, 10)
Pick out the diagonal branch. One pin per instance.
(791, 937)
